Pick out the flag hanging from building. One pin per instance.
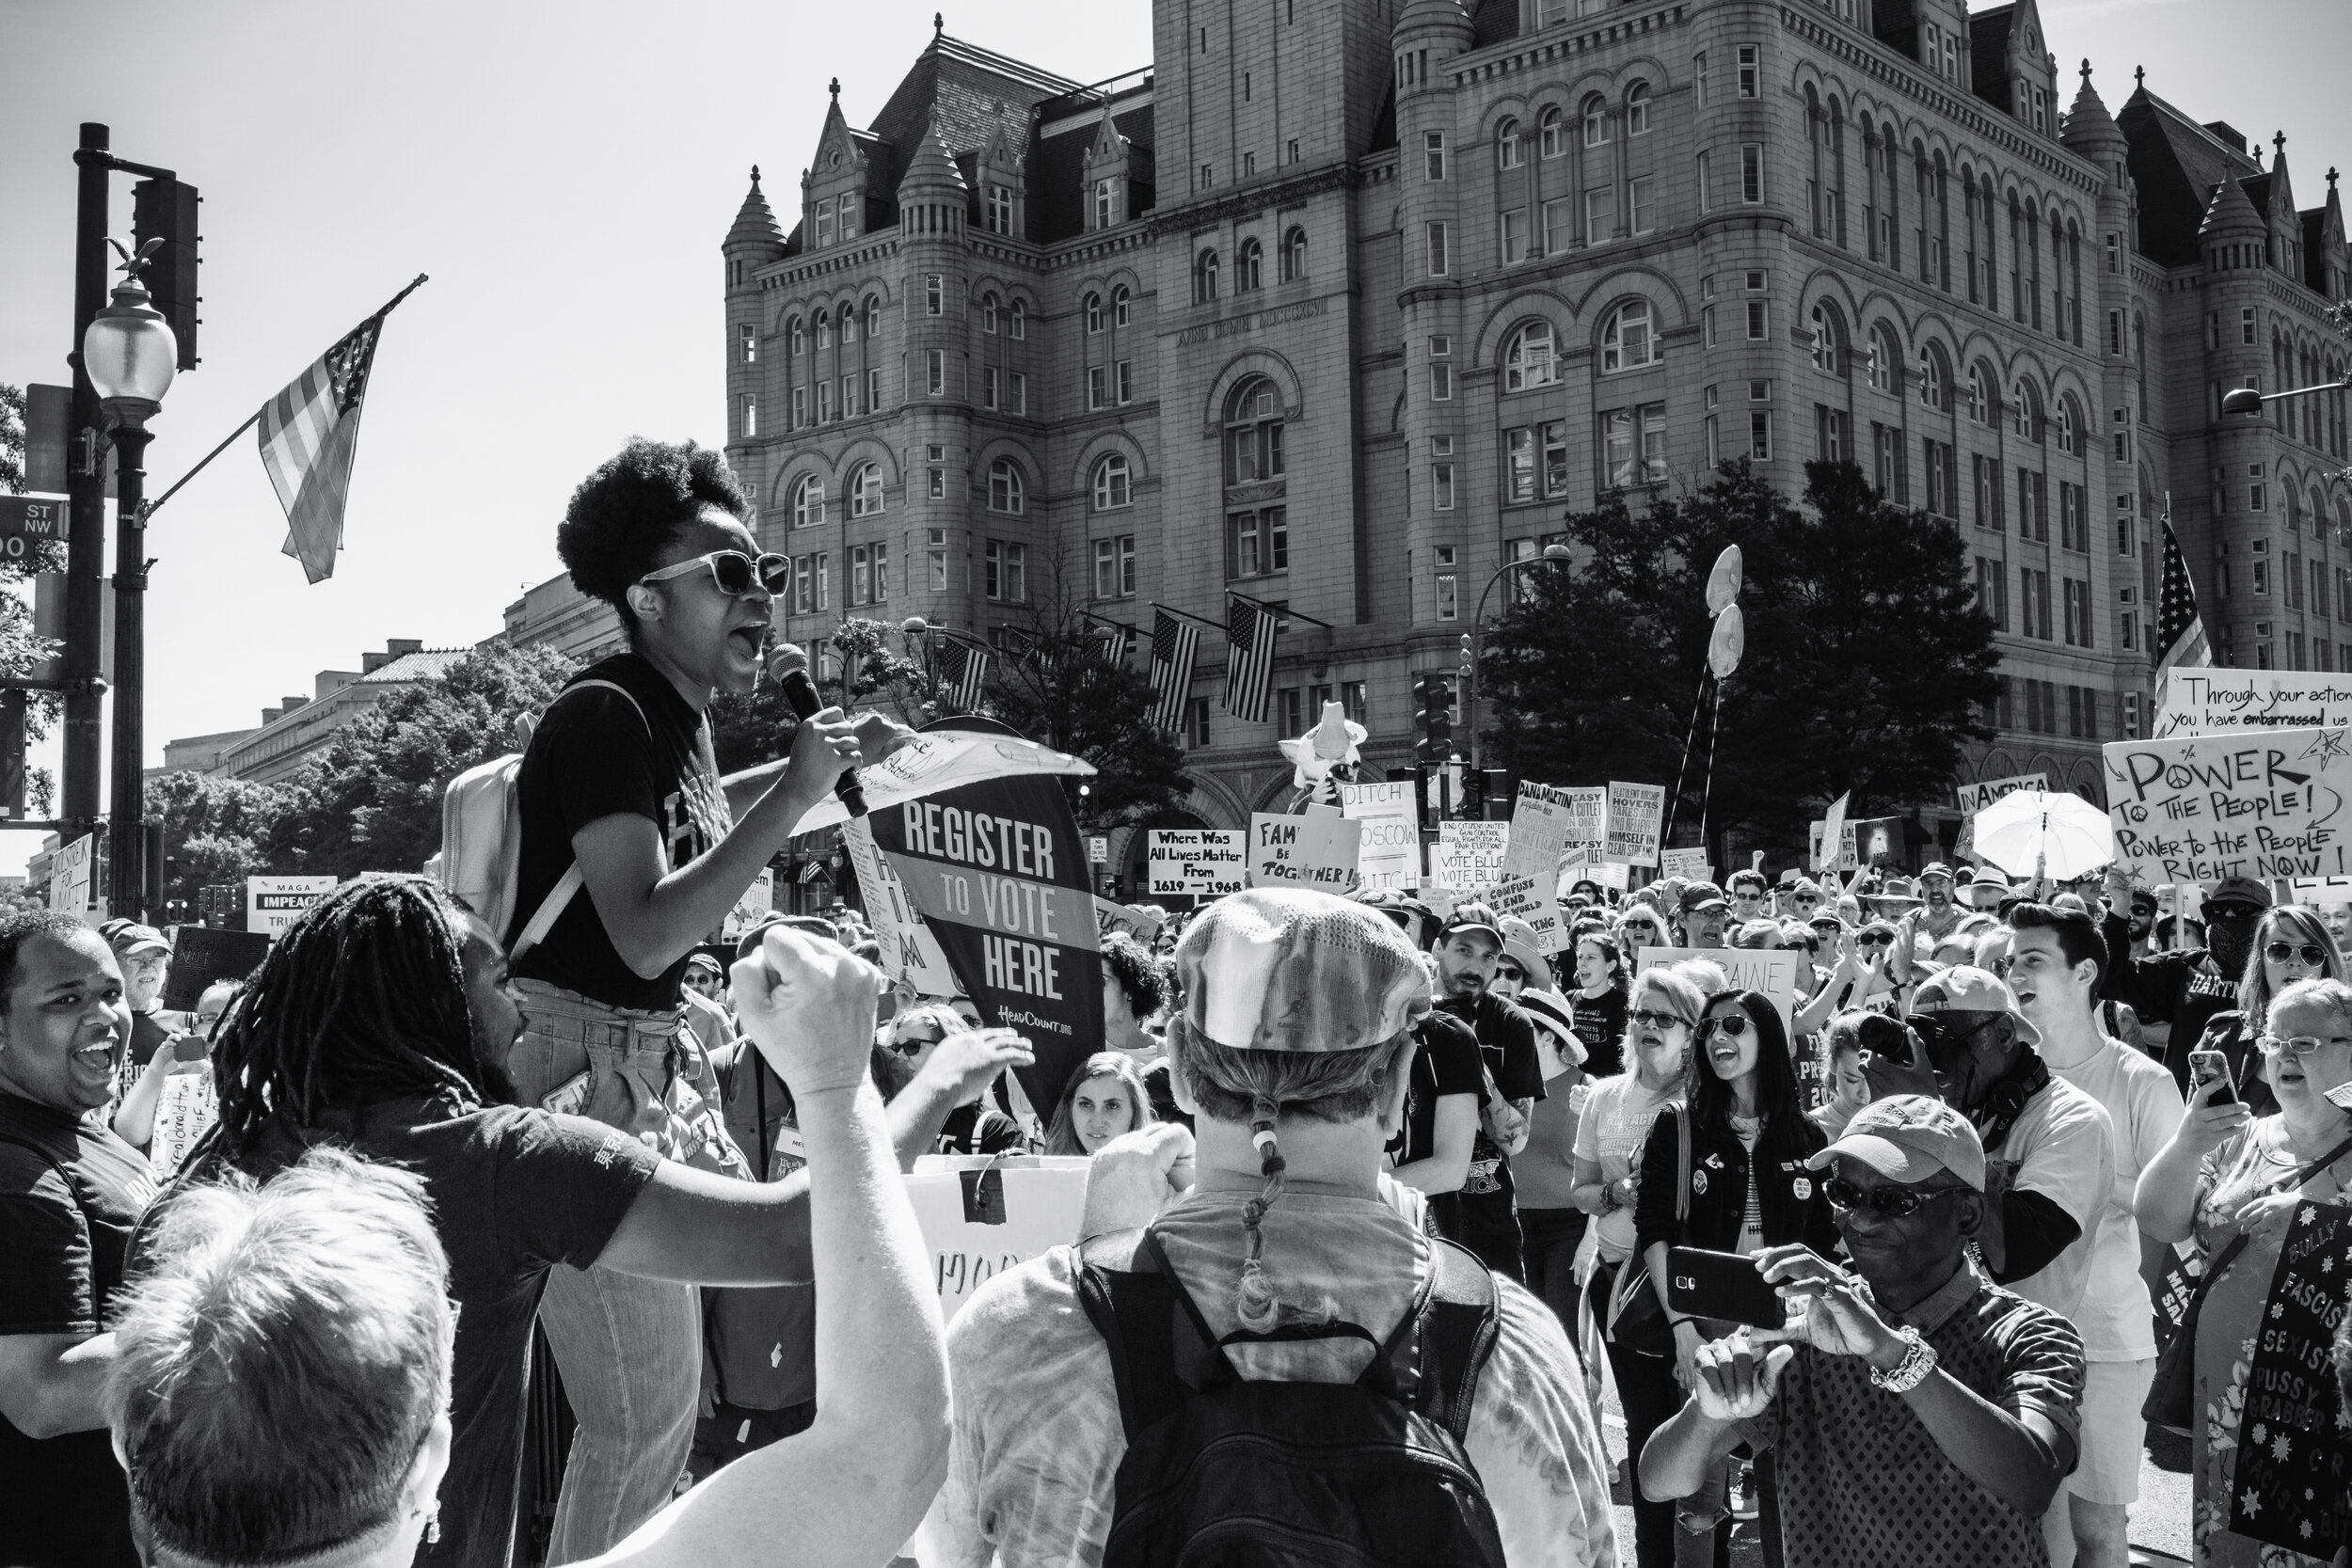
(961, 667)
(309, 433)
(1019, 642)
(1249, 632)
(1174, 641)
(1114, 638)
(2180, 630)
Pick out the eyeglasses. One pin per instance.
(2295, 1045)
(1510, 972)
(2232, 914)
(1731, 1027)
(1806, 900)
(914, 1044)
(1888, 1203)
(1650, 1019)
(2281, 952)
(734, 573)
(1867, 940)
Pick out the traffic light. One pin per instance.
(1433, 718)
(12, 752)
(1469, 662)
(165, 210)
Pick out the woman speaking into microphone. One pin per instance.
(629, 858)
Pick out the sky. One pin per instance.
(564, 174)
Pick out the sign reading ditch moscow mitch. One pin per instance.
(2259, 804)
(999, 871)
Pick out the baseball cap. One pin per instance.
(2242, 889)
(1703, 896)
(1584, 889)
(1909, 1138)
(704, 960)
(129, 937)
(1550, 1011)
(1804, 887)
(1936, 869)
(1402, 909)
(1472, 916)
(1283, 969)
(1966, 989)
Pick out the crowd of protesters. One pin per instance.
(1384, 1194)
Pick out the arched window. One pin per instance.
(1510, 148)
(988, 313)
(1979, 394)
(1553, 133)
(2295, 511)
(824, 329)
(1248, 266)
(793, 335)
(2025, 421)
(865, 491)
(1596, 120)
(849, 321)
(1933, 379)
(1118, 306)
(808, 502)
(1528, 359)
(1205, 271)
(1294, 256)
(1005, 491)
(1627, 339)
(1019, 319)
(1094, 312)
(873, 318)
(1884, 358)
(1637, 109)
(1828, 339)
(2070, 427)
(1253, 433)
(1113, 487)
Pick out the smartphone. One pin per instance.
(2205, 1066)
(1720, 1284)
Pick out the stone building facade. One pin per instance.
(1344, 303)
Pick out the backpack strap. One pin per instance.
(1134, 1309)
(559, 897)
(1459, 1321)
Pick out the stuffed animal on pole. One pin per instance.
(1325, 757)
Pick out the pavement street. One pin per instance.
(2160, 1520)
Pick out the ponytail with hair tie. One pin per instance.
(1256, 1305)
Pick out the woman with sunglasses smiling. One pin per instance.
(1750, 1188)
(2291, 942)
(2225, 1173)
(629, 858)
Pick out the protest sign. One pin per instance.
(1974, 797)
(1636, 810)
(2292, 1449)
(1847, 858)
(1772, 971)
(273, 903)
(998, 872)
(71, 879)
(980, 1216)
(201, 955)
(2260, 803)
(754, 907)
(2321, 892)
(2209, 701)
(1689, 864)
(1389, 853)
(1587, 806)
(1199, 862)
(1111, 916)
(910, 953)
(1316, 850)
(1617, 877)
(185, 1110)
(1467, 856)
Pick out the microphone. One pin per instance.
(787, 666)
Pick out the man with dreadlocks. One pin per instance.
(383, 1022)
(1290, 1045)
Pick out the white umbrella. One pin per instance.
(2033, 833)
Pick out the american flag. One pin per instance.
(1174, 641)
(309, 433)
(1020, 642)
(1249, 632)
(963, 670)
(2180, 631)
(1115, 638)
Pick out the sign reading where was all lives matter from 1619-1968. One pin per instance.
(2260, 803)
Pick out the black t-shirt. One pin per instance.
(1447, 1063)
(70, 1193)
(1506, 1042)
(979, 1129)
(516, 1191)
(594, 756)
(147, 1037)
(1601, 1028)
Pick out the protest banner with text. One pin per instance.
(2209, 701)
(1199, 862)
(1770, 971)
(1975, 796)
(1689, 864)
(980, 1216)
(2292, 1449)
(1390, 855)
(2321, 892)
(1315, 850)
(2260, 803)
(1467, 856)
(1636, 813)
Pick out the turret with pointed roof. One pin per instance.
(755, 236)
(2090, 129)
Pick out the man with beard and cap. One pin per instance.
(1703, 912)
(2143, 921)
(2051, 1145)
(1483, 1215)
(2183, 990)
(1942, 913)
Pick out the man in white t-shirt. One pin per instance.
(2056, 960)
(1289, 1218)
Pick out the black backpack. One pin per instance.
(1224, 1473)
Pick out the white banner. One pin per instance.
(1203, 863)
(1975, 796)
(273, 903)
(1315, 851)
(1689, 864)
(2262, 803)
(982, 1215)
(1772, 971)
(2208, 700)
(1390, 855)
(909, 951)
(1467, 856)
(1636, 812)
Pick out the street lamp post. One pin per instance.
(130, 355)
(1552, 553)
(913, 631)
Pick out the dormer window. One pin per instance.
(824, 223)
(849, 216)
(999, 211)
(1105, 203)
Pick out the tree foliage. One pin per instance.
(214, 830)
(20, 647)
(748, 729)
(1868, 660)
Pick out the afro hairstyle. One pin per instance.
(622, 515)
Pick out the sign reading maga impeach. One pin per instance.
(2205, 702)
(2257, 804)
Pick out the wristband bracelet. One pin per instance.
(1917, 1362)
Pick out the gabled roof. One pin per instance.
(967, 92)
(2177, 164)
(1988, 54)
(1057, 173)
(429, 664)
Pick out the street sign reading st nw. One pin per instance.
(28, 520)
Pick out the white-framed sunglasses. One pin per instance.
(733, 573)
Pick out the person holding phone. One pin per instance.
(2291, 944)
(1750, 1187)
(2227, 1172)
